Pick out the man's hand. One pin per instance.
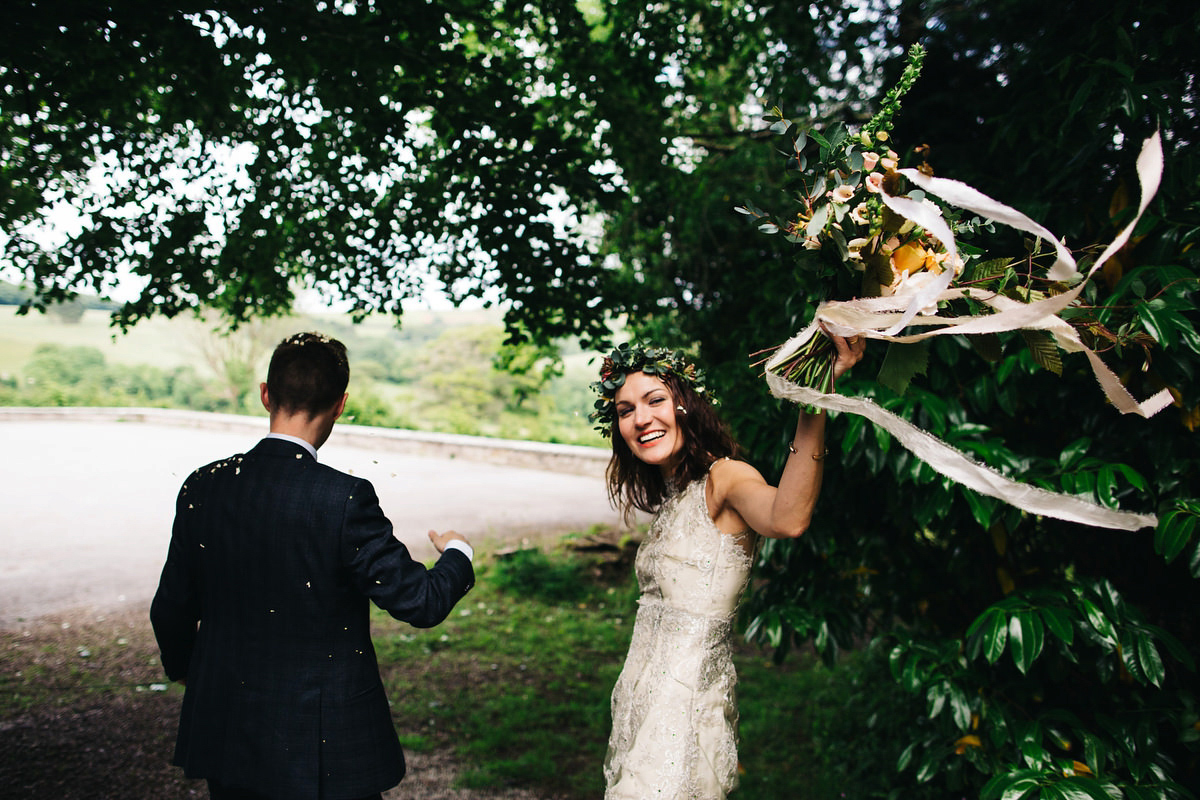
(440, 540)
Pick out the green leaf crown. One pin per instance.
(627, 358)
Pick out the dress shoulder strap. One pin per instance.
(718, 461)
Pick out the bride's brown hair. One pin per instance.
(634, 484)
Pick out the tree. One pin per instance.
(1044, 659)
(224, 153)
(237, 358)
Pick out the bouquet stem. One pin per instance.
(811, 366)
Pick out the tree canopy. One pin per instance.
(226, 153)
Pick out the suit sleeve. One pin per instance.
(175, 611)
(382, 568)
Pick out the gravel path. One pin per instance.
(88, 506)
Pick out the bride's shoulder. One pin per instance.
(726, 473)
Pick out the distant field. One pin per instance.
(172, 343)
(160, 343)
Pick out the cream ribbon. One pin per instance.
(884, 318)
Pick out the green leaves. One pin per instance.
(1015, 785)
(1033, 748)
(1044, 350)
(1095, 611)
(1174, 533)
(903, 363)
(1026, 636)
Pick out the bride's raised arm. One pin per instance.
(784, 511)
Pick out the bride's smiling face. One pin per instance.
(646, 419)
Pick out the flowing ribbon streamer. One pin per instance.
(884, 318)
(961, 468)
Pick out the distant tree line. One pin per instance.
(59, 375)
(463, 380)
(71, 310)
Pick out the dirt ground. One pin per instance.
(86, 712)
(96, 721)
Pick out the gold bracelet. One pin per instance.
(815, 457)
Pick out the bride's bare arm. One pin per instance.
(786, 511)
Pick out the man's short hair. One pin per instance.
(308, 373)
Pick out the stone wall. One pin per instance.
(571, 459)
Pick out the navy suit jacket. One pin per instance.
(263, 606)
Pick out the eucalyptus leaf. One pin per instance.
(819, 218)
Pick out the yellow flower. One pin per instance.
(970, 740)
(913, 257)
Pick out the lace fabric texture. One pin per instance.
(674, 706)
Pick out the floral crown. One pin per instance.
(627, 358)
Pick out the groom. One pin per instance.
(262, 609)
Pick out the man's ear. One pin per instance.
(341, 406)
(266, 400)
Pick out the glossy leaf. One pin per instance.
(1099, 622)
(1173, 534)
(1149, 659)
(1073, 452)
(995, 637)
(1010, 785)
(1082, 788)
(936, 695)
(929, 767)
(960, 707)
(1058, 623)
(1033, 634)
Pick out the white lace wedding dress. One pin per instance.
(674, 708)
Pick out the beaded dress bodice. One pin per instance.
(674, 705)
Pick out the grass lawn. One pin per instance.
(518, 681)
(515, 684)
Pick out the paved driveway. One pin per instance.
(86, 507)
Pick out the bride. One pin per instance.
(674, 710)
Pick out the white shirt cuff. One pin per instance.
(458, 544)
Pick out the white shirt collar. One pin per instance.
(295, 440)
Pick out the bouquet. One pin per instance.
(844, 218)
(902, 237)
